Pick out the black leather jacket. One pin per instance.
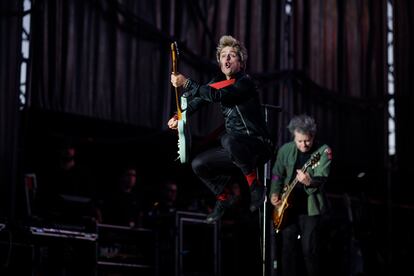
(242, 111)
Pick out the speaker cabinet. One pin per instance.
(197, 250)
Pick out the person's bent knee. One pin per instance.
(227, 141)
(198, 166)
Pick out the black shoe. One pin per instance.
(257, 196)
(217, 213)
(219, 209)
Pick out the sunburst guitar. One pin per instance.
(280, 210)
(184, 137)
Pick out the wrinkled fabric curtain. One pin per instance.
(10, 37)
(111, 60)
(99, 59)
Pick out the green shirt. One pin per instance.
(284, 170)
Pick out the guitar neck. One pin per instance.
(177, 102)
(174, 57)
(174, 71)
(295, 181)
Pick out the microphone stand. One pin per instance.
(266, 176)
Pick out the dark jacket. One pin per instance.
(242, 111)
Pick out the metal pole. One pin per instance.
(266, 176)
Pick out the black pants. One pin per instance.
(300, 245)
(216, 166)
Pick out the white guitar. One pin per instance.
(184, 136)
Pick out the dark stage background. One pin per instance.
(98, 75)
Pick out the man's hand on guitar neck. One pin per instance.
(173, 122)
(178, 80)
(303, 177)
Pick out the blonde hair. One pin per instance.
(229, 41)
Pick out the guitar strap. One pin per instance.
(222, 84)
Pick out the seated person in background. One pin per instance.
(66, 189)
(167, 202)
(124, 205)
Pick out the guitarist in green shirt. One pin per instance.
(299, 175)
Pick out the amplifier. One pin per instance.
(197, 245)
(120, 247)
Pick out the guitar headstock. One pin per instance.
(314, 160)
(174, 55)
(176, 48)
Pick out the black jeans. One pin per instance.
(216, 166)
(300, 247)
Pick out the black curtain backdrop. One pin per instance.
(111, 59)
(338, 48)
(10, 37)
(404, 102)
(404, 95)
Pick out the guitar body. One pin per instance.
(280, 211)
(184, 135)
